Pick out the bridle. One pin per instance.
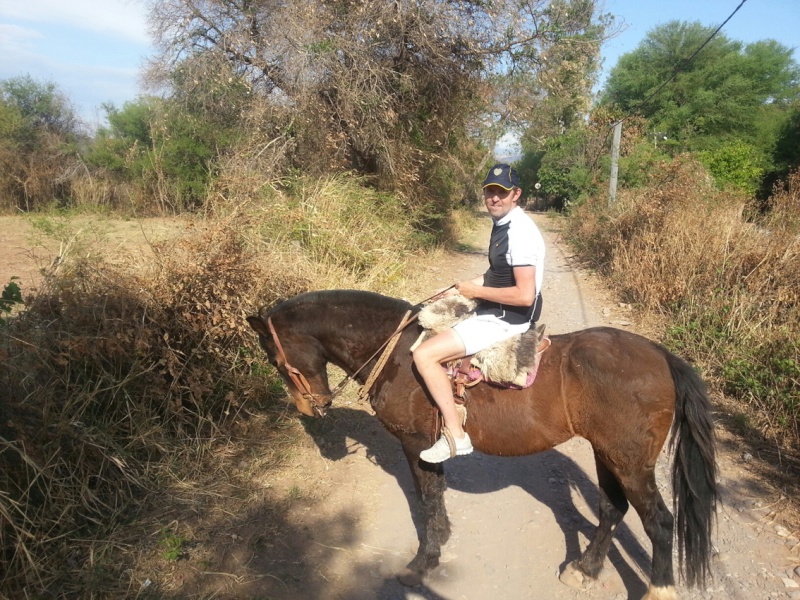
(298, 379)
(301, 383)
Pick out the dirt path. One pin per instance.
(516, 521)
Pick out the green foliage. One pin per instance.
(727, 92)
(768, 379)
(565, 171)
(728, 104)
(11, 296)
(787, 145)
(39, 137)
(763, 373)
(186, 153)
(122, 146)
(637, 165)
(786, 154)
(737, 164)
(528, 167)
(164, 147)
(172, 544)
(11, 124)
(41, 106)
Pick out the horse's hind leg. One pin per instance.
(430, 485)
(613, 506)
(658, 524)
(643, 494)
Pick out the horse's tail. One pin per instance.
(694, 470)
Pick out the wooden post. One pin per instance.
(612, 184)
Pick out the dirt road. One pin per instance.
(516, 521)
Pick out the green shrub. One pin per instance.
(737, 164)
(12, 296)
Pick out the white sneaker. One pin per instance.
(440, 451)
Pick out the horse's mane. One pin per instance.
(355, 297)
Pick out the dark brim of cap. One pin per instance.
(498, 184)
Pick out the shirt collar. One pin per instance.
(507, 218)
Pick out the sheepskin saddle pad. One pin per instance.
(511, 363)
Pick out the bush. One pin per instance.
(565, 173)
(728, 286)
(736, 164)
(108, 376)
(120, 381)
(39, 138)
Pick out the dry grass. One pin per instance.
(130, 388)
(117, 379)
(728, 285)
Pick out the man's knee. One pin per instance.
(421, 356)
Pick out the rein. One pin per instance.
(302, 384)
(392, 339)
(295, 375)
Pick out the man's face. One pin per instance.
(499, 201)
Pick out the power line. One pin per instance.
(683, 63)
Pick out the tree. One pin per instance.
(384, 88)
(713, 99)
(42, 106)
(785, 154)
(39, 134)
(168, 147)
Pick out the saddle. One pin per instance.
(512, 363)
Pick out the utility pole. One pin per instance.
(612, 184)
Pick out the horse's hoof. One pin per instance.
(572, 577)
(661, 593)
(409, 578)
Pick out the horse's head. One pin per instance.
(301, 364)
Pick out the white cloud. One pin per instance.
(16, 40)
(110, 17)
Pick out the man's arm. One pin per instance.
(522, 294)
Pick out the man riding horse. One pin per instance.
(510, 302)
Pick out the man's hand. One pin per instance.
(468, 289)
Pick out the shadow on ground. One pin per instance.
(549, 477)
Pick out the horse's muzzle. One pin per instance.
(319, 404)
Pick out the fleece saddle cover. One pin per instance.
(512, 362)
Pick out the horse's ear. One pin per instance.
(259, 325)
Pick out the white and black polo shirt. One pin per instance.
(515, 242)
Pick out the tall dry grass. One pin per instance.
(727, 281)
(125, 382)
(110, 375)
(337, 229)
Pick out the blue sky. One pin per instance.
(94, 50)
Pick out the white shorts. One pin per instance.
(481, 331)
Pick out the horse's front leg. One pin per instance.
(430, 485)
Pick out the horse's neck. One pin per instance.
(358, 343)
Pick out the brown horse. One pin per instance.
(620, 391)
